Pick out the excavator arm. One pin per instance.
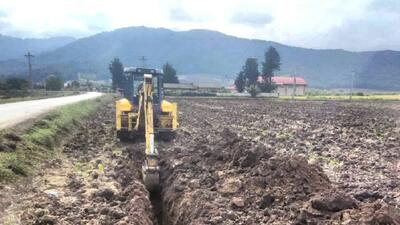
(136, 116)
(150, 168)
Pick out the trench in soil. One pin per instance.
(158, 208)
(155, 197)
(157, 201)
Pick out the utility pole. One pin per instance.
(29, 56)
(294, 82)
(352, 84)
(143, 59)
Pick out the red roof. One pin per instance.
(289, 80)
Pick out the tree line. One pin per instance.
(52, 83)
(251, 80)
(118, 79)
(56, 82)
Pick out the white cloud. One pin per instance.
(306, 23)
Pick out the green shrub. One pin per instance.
(359, 94)
(253, 90)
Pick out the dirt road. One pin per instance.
(14, 113)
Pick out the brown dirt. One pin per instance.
(233, 162)
(270, 162)
(95, 181)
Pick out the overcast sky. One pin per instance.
(348, 24)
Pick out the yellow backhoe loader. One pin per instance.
(143, 111)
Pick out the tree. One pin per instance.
(170, 74)
(2, 83)
(266, 86)
(253, 90)
(272, 63)
(117, 73)
(54, 83)
(240, 82)
(15, 83)
(75, 84)
(251, 72)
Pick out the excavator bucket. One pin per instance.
(151, 180)
(151, 173)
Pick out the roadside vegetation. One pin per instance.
(21, 152)
(32, 95)
(15, 89)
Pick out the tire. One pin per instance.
(123, 136)
(167, 136)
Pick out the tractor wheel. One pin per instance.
(167, 136)
(123, 136)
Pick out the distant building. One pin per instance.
(180, 86)
(209, 87)
(287, 85)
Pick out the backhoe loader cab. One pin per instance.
(134, 83)
(129, 116)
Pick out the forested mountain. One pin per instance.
(11, 47)
(212, 54)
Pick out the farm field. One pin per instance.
(257, 162)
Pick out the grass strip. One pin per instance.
(22, 152)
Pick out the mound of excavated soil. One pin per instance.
(236, 181)
(249, 164)
(336, 207)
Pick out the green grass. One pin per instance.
(21, 153)
(383, 97)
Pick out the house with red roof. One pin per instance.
(287, 85)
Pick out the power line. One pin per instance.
(352, 84)
(294, 82)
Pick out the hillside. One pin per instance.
(12, 47)
(209, 53)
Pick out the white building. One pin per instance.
(287, 85)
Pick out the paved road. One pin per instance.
(17, 112)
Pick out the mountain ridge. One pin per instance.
(13, 47)
(203, 51)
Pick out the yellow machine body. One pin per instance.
(126, 118)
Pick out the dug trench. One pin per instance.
(265, 162)
(95, 181)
